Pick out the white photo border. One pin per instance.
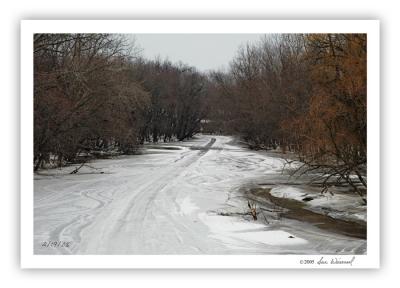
(30, 27)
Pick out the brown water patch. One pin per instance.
(296, 210)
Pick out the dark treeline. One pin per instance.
(177, 94)
(92, 95)
(302, 93)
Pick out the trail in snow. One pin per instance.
(166, 201)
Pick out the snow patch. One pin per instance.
(235, 233)
(288, 192)
(187, 206)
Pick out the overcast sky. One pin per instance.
(204, 51)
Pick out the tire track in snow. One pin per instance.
(131, 219)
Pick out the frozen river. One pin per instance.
(171, 199)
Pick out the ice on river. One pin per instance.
(337, 204)
(167, 201)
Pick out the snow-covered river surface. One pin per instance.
(174, 198)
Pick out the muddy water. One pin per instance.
(294, 209)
